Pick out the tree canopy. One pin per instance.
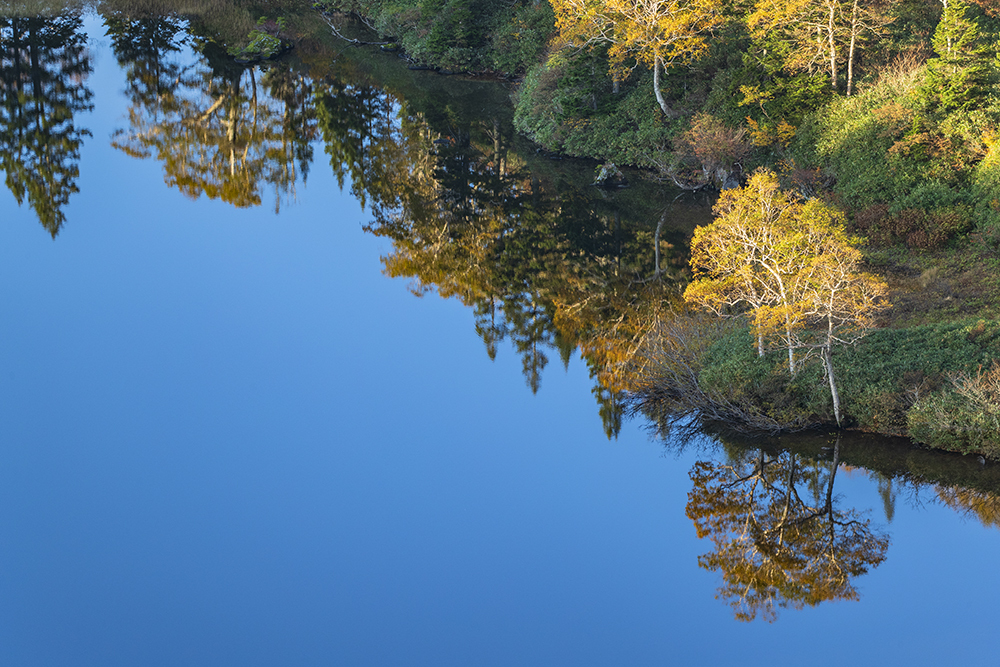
(791, 263)
(656, 33)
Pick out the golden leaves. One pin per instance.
(789, 261)
(643, 30)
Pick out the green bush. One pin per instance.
(891, 369)
(732, 369)
(520, 36)
(964, 417)
(567, 105)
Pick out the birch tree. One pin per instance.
(843, 301)
(820, 31)
(753, 257)
(656, 33)
(792, 263)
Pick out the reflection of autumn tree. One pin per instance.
(217, 130)
(779, 538)
(547, 269)
(983, 505)
(43, 67)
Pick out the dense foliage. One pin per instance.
(459, 35)
(888, 110)
(915, 381)
(892, 116)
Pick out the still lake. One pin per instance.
(229, 436)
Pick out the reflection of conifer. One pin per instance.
(43, 66)
(544, 266)
(352, 121)
(142, 46)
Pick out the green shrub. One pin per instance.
(732, 369)
(520, 36)
(964, 417)
(537, 113)
(881, 379)
(890, 369)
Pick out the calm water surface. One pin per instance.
(228, 438)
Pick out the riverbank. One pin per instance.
(905, 147)
(938, 384)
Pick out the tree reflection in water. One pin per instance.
(545, 267)
(982, 505)
(216, 129)
(545, 264)
(44, 65)
(780, 539)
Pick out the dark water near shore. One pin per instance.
(231, 434)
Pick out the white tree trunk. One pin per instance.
(828, 362)
(831, 33)
(850, 55)
(657, 65)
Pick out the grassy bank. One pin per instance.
(937, 383)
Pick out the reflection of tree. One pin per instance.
(217, 130)
(983, 505)
(43, 67)
(780, 539)
(143, 46)
(545, 268)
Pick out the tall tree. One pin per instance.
(843, 301)
(960, 75)
(819, 32)
(752, 257)
(793, 265)
(655, 33)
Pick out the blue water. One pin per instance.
(227, 439)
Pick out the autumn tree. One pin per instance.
(792, 263)
(868, 19)
(656, 33)
(717, 149)
(817, 33)
(752, 257)
(842, 300)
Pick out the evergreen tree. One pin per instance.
(959, 78)
(43, 69)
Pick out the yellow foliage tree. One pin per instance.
(821, 31)
(753, 256)
(842, 301)
(792, 263)
(657, 33)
